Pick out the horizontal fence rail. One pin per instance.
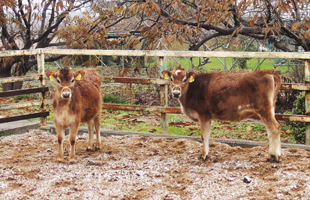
(160, 53)
(295, 86)
(24, 104)
(135, 80)
(19, 78)
(23, 91)
(27, 116)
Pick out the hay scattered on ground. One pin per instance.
(137, 167)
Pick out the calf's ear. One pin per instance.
(166, 74)
(191, 77)
(79, 75)
(51, 75)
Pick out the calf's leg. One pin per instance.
(273, 132)
(205, 126)
(90, 125)
(72, 139)
(97, 127)
(60, 135)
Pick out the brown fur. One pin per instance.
(84, 105)
(232, 96)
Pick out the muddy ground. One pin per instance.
(137, 167)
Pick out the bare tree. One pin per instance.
(284, 24)
(90, 24)
(50, 23)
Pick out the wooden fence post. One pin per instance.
(164, 100)
(40, 61)
(307, 103)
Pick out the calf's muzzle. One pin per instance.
(176, 91)
(66, 92)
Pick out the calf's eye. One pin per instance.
(72, 80)
(184, 80)
(58, 80)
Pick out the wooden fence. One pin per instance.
(161, 54)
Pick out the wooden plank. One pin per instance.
(165, 53)
(19, 78)
(142, 108)
(295, 86)
(293, 118)
(24, 104)
(160, 53)
(27, 116)
(135, 80)
(20, 52)
(23, 91)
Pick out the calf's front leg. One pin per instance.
(72, 139)
(60, 136)
(205, 126)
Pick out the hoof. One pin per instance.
(60, 160)
(274, 159)
(201, 157)
(90, 149)
(93, 148)
(72, 161)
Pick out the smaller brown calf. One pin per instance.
(77, 99)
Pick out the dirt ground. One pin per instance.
(137, 167)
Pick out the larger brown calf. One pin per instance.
(77, 99)
(232, 96)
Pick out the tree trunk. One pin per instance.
(5, 71)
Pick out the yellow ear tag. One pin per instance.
(52, 78)
(78, 77)
(167, 76)
(191, 79)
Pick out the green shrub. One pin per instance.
(299, 128)
(110, 98)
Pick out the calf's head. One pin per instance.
(179, 80)
(65, 79)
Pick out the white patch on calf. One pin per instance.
(191, 114)
(64, 118)
(182, 108)
(177, 71)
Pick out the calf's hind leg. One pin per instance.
(97, 127)
(90, 125)
(272, 127)
(205, 126)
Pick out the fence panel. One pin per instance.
(164, 109)
(42, 89)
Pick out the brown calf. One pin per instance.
(77, 99)
(232, 96)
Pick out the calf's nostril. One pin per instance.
(65, 96)
(176, 95)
